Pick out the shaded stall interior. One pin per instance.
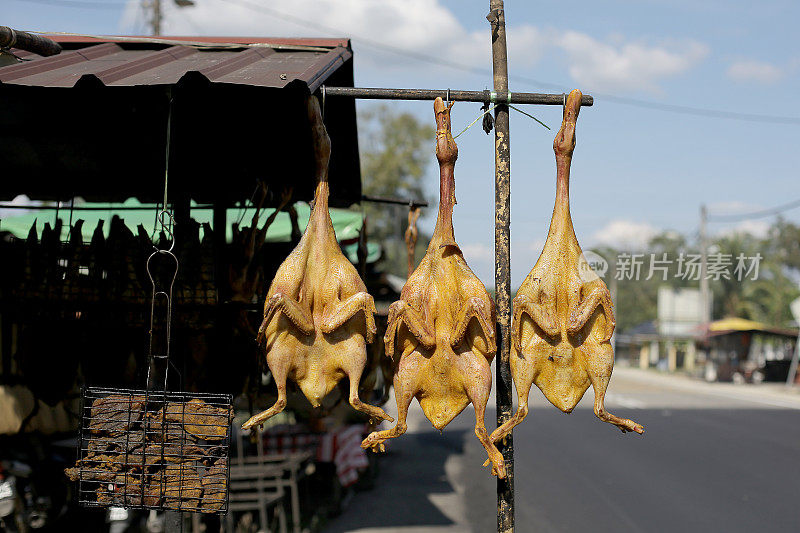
(91, 123)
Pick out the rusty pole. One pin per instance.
(502, 258)
(456, 95)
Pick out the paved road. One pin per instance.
(715, 457)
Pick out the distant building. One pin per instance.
(742, 350)
(680, 311)
(668, 342)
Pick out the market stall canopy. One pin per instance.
(737, 324)
(346, 223)
(92, 121)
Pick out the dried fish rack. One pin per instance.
(143, 449)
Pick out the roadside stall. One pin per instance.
(202, 122)
(741, 350)
(94, 140)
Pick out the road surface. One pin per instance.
(714, 457)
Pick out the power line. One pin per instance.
(80, 4)
(756, 214)
(699, 111)
(369, 42)
(658, 106)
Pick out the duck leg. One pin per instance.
(474, 308)
(596, 296)
(291, 309)
(478, 393)
(402, 313)
(280, 370)
(599, 378)
(525, 305)
(403, 395)
(354, 369)
(334, 317)
(523, 379)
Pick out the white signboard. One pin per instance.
(795, 307)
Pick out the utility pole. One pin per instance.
(612, 282)
(155, 20)
(704, 292)
(157, 15)
(790, 377)
(502, 258)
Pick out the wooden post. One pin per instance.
(502, 258)
(220, 227)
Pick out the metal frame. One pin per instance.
(501, 97)
(188, 450)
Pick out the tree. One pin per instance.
(395, 153)
(764, 299)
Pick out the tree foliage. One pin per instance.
(396, 149)
(765, 299)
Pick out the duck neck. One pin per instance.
(561, 210)
(447, 199)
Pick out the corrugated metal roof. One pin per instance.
(126, 63)
(91, 121)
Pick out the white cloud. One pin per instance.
(534, 246)
(619, 65)
(477, 251)
(624, 235)
(732, 207)
(755, 71)
(756, 228)
(420, 26)
(427, 27)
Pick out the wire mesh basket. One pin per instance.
(154, 450)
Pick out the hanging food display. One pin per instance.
(563, 315)
(157, 450)
(442, 328)
(318, 315)
(411, 236)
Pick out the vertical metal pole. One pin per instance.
(156, 22)
(705, 301)
(704, 293)
(792, 375)
(502, 258)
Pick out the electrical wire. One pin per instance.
(647, 104)
(80, 4)
(755, 214)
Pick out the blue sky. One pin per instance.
(636, 171)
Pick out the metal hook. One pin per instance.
(324, 94)
(448, 98)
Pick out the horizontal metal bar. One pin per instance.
(67, 208)
(26, 41)
(396, 201)
(369, 93)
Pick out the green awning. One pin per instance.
(346, 223)
(373, 252)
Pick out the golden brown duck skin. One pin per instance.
(563, 315)
(318, 315)
(442, 328)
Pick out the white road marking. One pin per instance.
(625, 401)
(741, 393)
(787, 404)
